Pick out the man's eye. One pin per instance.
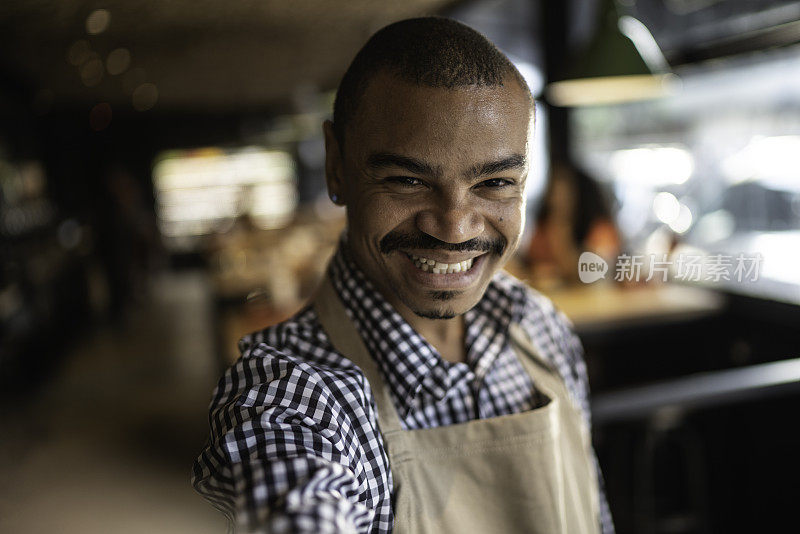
(497, 182)
(405, 180)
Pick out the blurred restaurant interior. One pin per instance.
(162, 193)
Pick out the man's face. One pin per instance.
(433, 180)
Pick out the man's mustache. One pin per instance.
(398, 240)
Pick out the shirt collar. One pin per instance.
(407, 362)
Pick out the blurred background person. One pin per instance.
(575, 216)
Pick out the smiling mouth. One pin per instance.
(436, 267)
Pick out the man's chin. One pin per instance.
(445, 295)
(435, 313)
(439, 306)
(429, 303)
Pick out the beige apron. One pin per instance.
(526, 472)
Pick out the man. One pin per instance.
(422, 390)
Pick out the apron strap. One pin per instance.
(542, 372)
(526, 345)
(347, 341)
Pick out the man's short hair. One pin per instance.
(427, 51)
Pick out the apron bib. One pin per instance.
(528, 472)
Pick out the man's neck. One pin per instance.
(445, 335)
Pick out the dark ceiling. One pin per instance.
(199, 54)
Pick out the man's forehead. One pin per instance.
(386, 90)
(395, 114)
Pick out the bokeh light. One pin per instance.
(92, 72)
(98, 21)
(655, 164)
(666, 207)
(145, 97)
(79, 52)
(683, 221)
(118, 61)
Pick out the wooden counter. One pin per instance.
(600, 306)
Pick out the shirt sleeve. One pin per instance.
(282, 456)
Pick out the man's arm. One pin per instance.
(282, 457)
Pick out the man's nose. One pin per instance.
(452, 218)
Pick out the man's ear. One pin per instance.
(334, 166)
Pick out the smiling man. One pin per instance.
(423, 390)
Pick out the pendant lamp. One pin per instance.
(622, 63)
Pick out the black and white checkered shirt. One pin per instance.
(295, 445)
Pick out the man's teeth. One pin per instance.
(437, 267)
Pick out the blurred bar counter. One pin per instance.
(595, 308)
(646, 333)
(692, 389)
(261, 277)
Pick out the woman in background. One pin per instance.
(575, 216)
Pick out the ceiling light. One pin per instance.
(622, 63)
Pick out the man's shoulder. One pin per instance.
(302, 325)
(290, 372)
(300, 342)
(288, 361)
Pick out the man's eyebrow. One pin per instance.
(515, 161)
(381, 160)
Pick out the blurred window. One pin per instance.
(199, 192)
(711, 169)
